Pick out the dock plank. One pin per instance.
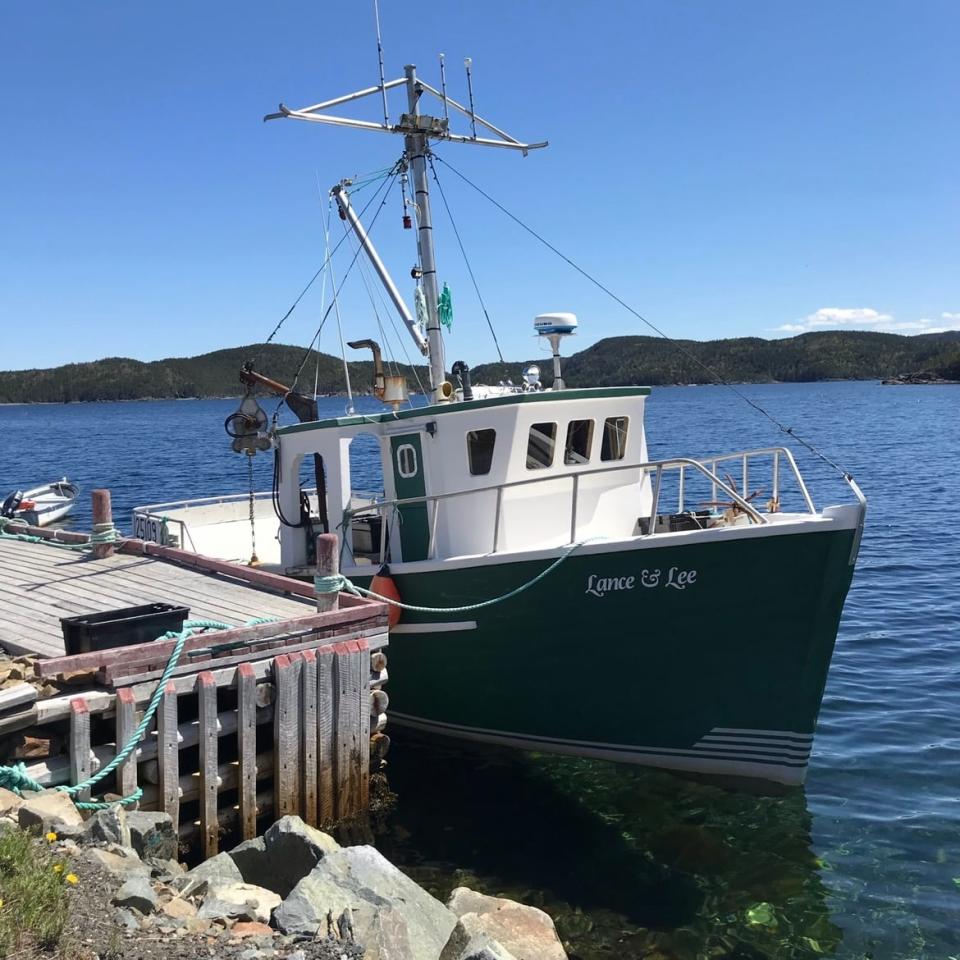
(40, 584)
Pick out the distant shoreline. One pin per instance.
(661, 386)
(816, 357)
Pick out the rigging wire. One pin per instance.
(388, 310)
(343, 349)
(336, 292)
(323, 285)
(390, 362)
(333, 281)
(466, 259)
(303, 292)
(718, 377)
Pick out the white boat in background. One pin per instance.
(41, 506)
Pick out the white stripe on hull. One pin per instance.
(450, 626)
(777, 764)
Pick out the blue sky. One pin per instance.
(729, 168)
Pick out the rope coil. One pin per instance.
(102, 533)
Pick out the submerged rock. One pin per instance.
(526, 932)
(392, 917)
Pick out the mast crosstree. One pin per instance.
(417, 130)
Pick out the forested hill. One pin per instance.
(828, 355)
(208, 375)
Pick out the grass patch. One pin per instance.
(33, 891)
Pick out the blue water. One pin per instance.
(862, 862)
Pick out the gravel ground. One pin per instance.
(93, 933)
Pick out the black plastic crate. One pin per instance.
(121, 628)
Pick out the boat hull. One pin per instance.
(700, 656)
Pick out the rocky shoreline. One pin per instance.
(293, 893)
(920, 377)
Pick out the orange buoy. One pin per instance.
(383, 585)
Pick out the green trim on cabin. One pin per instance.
(466, 406)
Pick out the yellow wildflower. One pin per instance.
(1, 903)
(51, 836)
(71, 878)
(58, 868)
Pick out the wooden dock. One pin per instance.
(262, 719)
(40, 584)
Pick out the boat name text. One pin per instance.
(675, 578)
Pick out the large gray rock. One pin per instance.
(525, 932)
(108, 826)
(137, 894)
(392, 917)
(238, 901)
(152, 834)
(283, 856)
(48, 811)
(217, 870)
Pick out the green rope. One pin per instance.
(338, 582)
(181, 637)
(102, 533)
(16, 778)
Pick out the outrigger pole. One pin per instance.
(418, 130)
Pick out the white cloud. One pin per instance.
(866, 318)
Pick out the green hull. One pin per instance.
(719, 671)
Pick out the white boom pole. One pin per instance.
(343, 202)
(416, 149)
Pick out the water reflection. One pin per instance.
(629, 862)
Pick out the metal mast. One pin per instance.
(417, 129)
(415, 145)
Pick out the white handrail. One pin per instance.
(657, 467)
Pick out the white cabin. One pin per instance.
(511, 473)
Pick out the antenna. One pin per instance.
(468, 63)
(418, 129)
(383, 86)
(443, 85)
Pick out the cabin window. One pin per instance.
(614, 444)
(480, 451)
(579, 441)
(540, 445)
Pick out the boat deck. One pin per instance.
(39, 584)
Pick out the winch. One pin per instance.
(247, 426)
